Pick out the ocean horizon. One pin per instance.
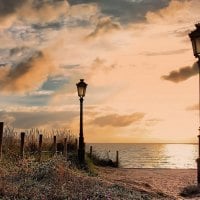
(149, 155)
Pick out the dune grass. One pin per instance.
(11, 142)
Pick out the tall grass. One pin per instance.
(11, 141)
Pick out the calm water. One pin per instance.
(175, 156)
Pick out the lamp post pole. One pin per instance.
(81, 150)
(195, 39)
(81, 88)
(198, 159)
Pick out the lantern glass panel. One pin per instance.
(81, 88)
(81, 91)
(197, 41)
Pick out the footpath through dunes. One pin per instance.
(156, 181)
(57, 179)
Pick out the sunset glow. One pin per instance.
(135, 56)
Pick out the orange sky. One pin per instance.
(141, 73)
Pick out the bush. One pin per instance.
(102, 161)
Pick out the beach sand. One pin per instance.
(167, 181)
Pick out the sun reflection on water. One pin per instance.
(180, 155)
(175, 156)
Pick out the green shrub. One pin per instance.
(90, 167)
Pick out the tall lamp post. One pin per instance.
(81, 88)
(195, 39)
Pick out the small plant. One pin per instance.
(90, 167)
(191, 191)
(102, 161)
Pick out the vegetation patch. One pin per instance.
(104, 161)
(191, 191)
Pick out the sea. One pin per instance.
(171, 156)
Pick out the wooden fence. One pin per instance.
(58, 147)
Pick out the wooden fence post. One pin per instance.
(22, 145)
(76, 144)
(117, 158)
(54, 145)
(1, 139)
(65, 148)
(40, 148)
(90, 151)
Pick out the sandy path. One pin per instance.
(168, 181)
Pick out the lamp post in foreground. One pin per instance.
(195, 39)
(81, 88)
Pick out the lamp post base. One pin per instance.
(198, 171)
(81, 155)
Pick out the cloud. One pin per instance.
(35, 119)
(163, 53)
(83, 11)
(116, 120)
(182, 74)
(18, 51)
(182, 32)
(31, 10)
(125, 11)
(193, 107)
(175, 12)
(3, 64)
(47, 13)
(105, 25)
(43, 11)
(7, 119)
(100, 64)
(96, 76)
(56, 25)
(26, 75)
(9, 6)
(152, 122)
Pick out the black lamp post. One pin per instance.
(81, 88)
(195, 38)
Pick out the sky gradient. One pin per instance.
(135, 55)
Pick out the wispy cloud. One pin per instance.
(116, 120)
(182, 74)
(104, 26)
(38, 119)
(163, 53)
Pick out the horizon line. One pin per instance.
(142, 143)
